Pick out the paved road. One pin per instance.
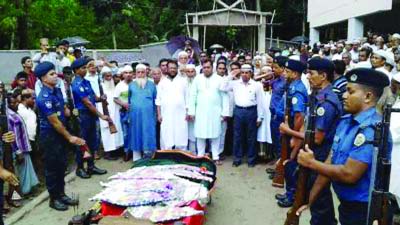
(243, 197)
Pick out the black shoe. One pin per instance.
(58, 205)
(82, 173)
(236, 164)
(280, 197)
(109, 157)
(96, 171)
(271, 176)
(270, 170)
(285, 203)
(68, 201)
(251, 165)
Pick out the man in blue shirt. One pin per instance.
(278, 89)
(85, 102)
(54, 136)
(299, 98)
(328, 110)
(350, 163)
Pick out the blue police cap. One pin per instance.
(320, 64)
(369, 77)
(43, 68)
(295, 65)
(78, 63)
(281, 60)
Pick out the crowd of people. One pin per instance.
(215, 105)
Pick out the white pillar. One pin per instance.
(195, 29)
(261, 38)
(314, 35)
(355, 29)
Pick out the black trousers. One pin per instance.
(353, 213)
(54, 146)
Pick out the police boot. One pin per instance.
(58, 205)
(96, 171)
(280, 197)
(285, 203)
(80, 172)
(68, 201)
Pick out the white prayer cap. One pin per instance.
(337, 57)
(382, 53)
(182, 53)
(246, 67)
(340, 45)
(190, 66)
(105, 69)
(141, 66)
(364, 64)
(333, 47)
(396, 36)
(390, 59)
(348, 43)
(356, 41)
(396, 77)
(127, 68)
(366, 44)
(295, 57)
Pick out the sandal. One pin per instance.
(218, 162)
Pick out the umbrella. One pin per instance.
(216, 46)
(178, 42)
(300, 39)
(76, 41)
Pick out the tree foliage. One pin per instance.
(125, 23)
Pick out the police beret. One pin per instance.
(369, 77)
(295, 65)
(78, 63)
(320, 64)
(281, 60)
(43, 68)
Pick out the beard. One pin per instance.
(141, 82)
(108, 85)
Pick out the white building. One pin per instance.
(356, 14)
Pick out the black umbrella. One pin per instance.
(178, 42)
(300, 39)
(76, 41)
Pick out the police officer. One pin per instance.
(54, 136)
(349, 165)
(278, 89)
(328, 109)
(85, 102)
(299, 97)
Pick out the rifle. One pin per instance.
(75, 125)
(279, 178)
(381, 202)
(301, 195)
(104, 105)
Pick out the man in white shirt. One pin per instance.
(207, 111)
(191, 74)
(248, 113)
(171, 109)
(121, 99)
(25, 110)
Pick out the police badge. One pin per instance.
(359, 140)
(48, 104)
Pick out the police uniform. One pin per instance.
(81, 89)
(328, 110)
(53, 144)
(353, 139)
(278, 90)
(299, 98)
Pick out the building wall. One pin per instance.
(324, 12)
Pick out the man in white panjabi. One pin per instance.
(183, 58)
(191, 74)
(111, 142)
(171, 109)
(206, 109)
(395, 131)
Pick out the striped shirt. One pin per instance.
(339, 87)
(17, 126)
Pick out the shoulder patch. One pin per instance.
(359, 140)
(320, 111)
(294, 100)
(48, 104)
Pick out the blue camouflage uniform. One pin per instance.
(278, 89)
(353, 139)
(299, 98)
(50, 101)
(81, 89)
(328, 111)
